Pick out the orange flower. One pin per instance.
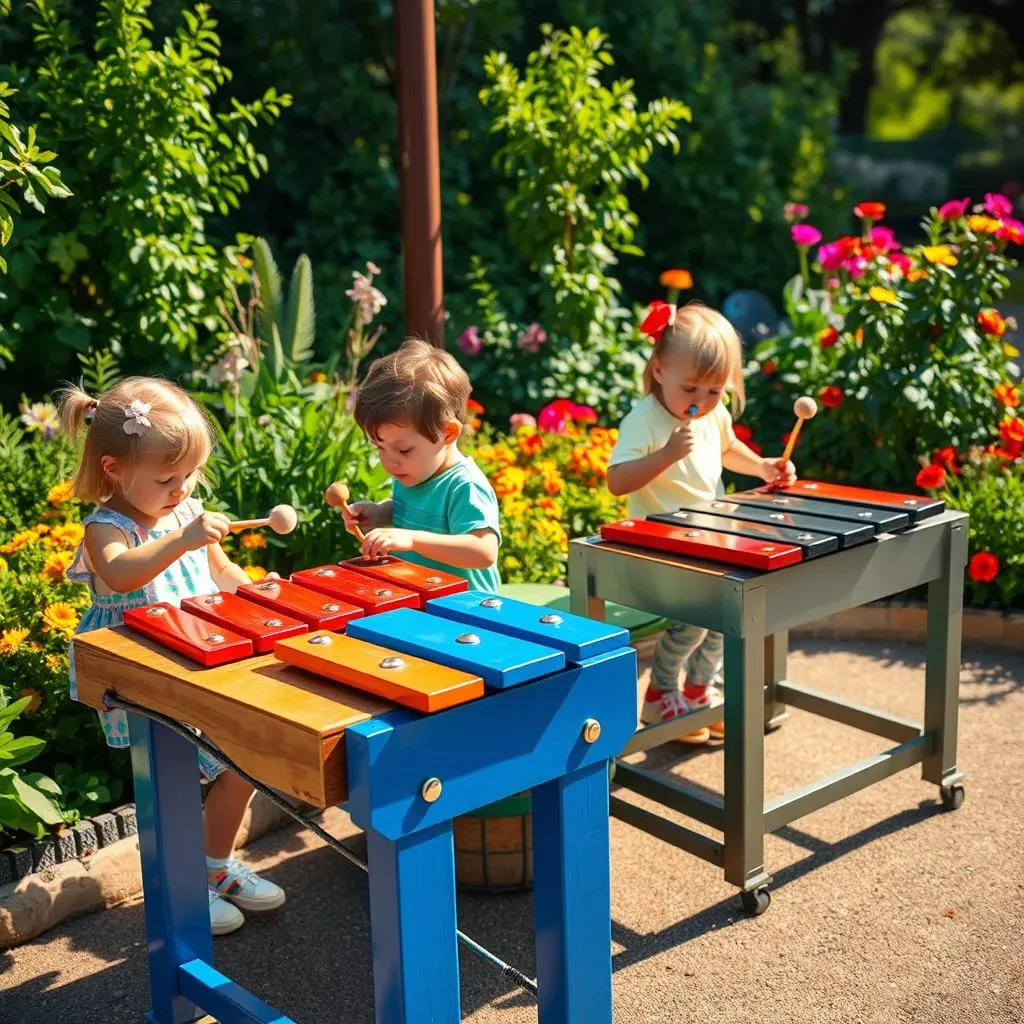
(886, 296)
(984, 567)
(253, 540)
(939, 255)
(990, 321)
(982, 225)
(35, 699)
(474, 407)
(1011, 430)
(1008, 395)
(947, 458)
(531, 444)
(56, 565)
(917, 275)
(317, 377)
(681, 280)
(870, 211)
(930, 478)
(60, 493)
(828, 337)
(832, 396)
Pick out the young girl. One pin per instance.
(149, 540)
(672, 448)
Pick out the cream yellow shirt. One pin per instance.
(698, 477)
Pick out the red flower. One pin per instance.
(474, 407)
(1011, 231)
(1007, 394)
(930, 478)
(1011, 430)
(583, 414)
(786, 436)
(743, 432)
(832, 396)
(769, 367)
(990, 321)
(660, 316)
(828, 337)
(900, 261)
(870, 211)
(984, 567)
(947, 458)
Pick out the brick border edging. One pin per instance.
(91, 866)
(894, 620)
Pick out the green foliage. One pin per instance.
(991, 491)
(287, 325)
(88, 792)
(128, 265)
(912, 368)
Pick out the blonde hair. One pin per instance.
(711, 344)
(178, 429)
(419, 384)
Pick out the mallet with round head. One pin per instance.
(337, 497)
(282, 519)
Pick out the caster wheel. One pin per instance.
(757, 902)
(952, 796)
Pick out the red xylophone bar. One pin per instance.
(427, 582)
(196, 638)
(262, 626)
(916, 506)
(369, 594)
(310, 606)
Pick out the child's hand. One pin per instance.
(778, 473)
(367, 515)
(679, 443)
(209, 528)
(384, 540)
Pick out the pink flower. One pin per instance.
(805, 234)
(856, 267)
(532, 339)
(522, 419)
(954, 209)
(556, 416)
(584, 414)
(998, 205)
(900, 261)
(794, 212)
(831, 256)
(884, 239)
(470, 342)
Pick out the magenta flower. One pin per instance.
(998, 205)
(884, 239)
(831, 256)
(522, 419)
(954, 209)
(532, 339)
(470, 342)
(900, 261)
(805, 235)
(556, 416)
(794, 212)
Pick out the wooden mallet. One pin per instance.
(337, 497)
(282, 519)
(805, 409)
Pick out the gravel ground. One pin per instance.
(885, 908)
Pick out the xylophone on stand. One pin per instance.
(752, 566)
(394, 690)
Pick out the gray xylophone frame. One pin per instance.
(755, 610)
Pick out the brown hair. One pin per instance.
(178, 429)
(705, 337)
(419, 384)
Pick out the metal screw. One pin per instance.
(491, 602)
(911, 501)
(551, 620)
(692, 533)
(215, 638)
(776, 515)
(810, 487)
(863, 515)
(780, 501)
(156, 610)
(392, 662)
(805, 536)
(681, 515)
(431, 790)
(214, 599)
(382, 593)
(321, 640)
(628, 522)
(332, 607)
(433, 579)
(767, 549)
(272, 585)
(325, 572)
(273, 622)
(591, 730)
(467, 638)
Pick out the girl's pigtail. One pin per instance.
(74, 407)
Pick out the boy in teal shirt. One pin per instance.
(442, 513)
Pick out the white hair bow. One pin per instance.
(135, 417)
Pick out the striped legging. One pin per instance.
(687, 655)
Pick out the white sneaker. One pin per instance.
(224, 918)
(245, 888)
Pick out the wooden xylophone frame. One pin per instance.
(403, 776)
(755, 610)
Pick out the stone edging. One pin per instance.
(89, 867)
(893, 620)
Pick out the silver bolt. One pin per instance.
(551, 620)
(776, 515)
(911, 501)
(214, 599)
(332, 607)
(392, 662)
(863, 515)
(156, 610)
(325, 572)
(467, 638)
(433, 579)
(272, 585)
(805, 536)
(383, 592)
(591, 730)
(692, 533)
(681, 515)
(768, 549)
(215, 638)
(491, 602)
(780, 501)
(628, 522)
(321, 640)
(273, 622)
(431, 790)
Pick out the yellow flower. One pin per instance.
(511, 563)
(1008, 349)
(884, 295)
(56, 565)
(19, 541)
(36, 698)
(56, 662)
(60, 493)
(3, 565)
(917, 275)
(60, 617)
(11, 640)
(255, 572)
(252, 541)
(40, 529)
(982, 225)
(67, 535)
(509, 482)
(940, 255)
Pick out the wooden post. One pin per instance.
(420, 170)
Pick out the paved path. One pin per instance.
(885, 911)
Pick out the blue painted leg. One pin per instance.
(166, 769)
(412, 924)
(572, 898)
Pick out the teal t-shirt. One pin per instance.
(457, 501)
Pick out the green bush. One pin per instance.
(128, 263)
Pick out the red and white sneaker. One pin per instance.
(660, 707)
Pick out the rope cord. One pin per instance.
(110, 701)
